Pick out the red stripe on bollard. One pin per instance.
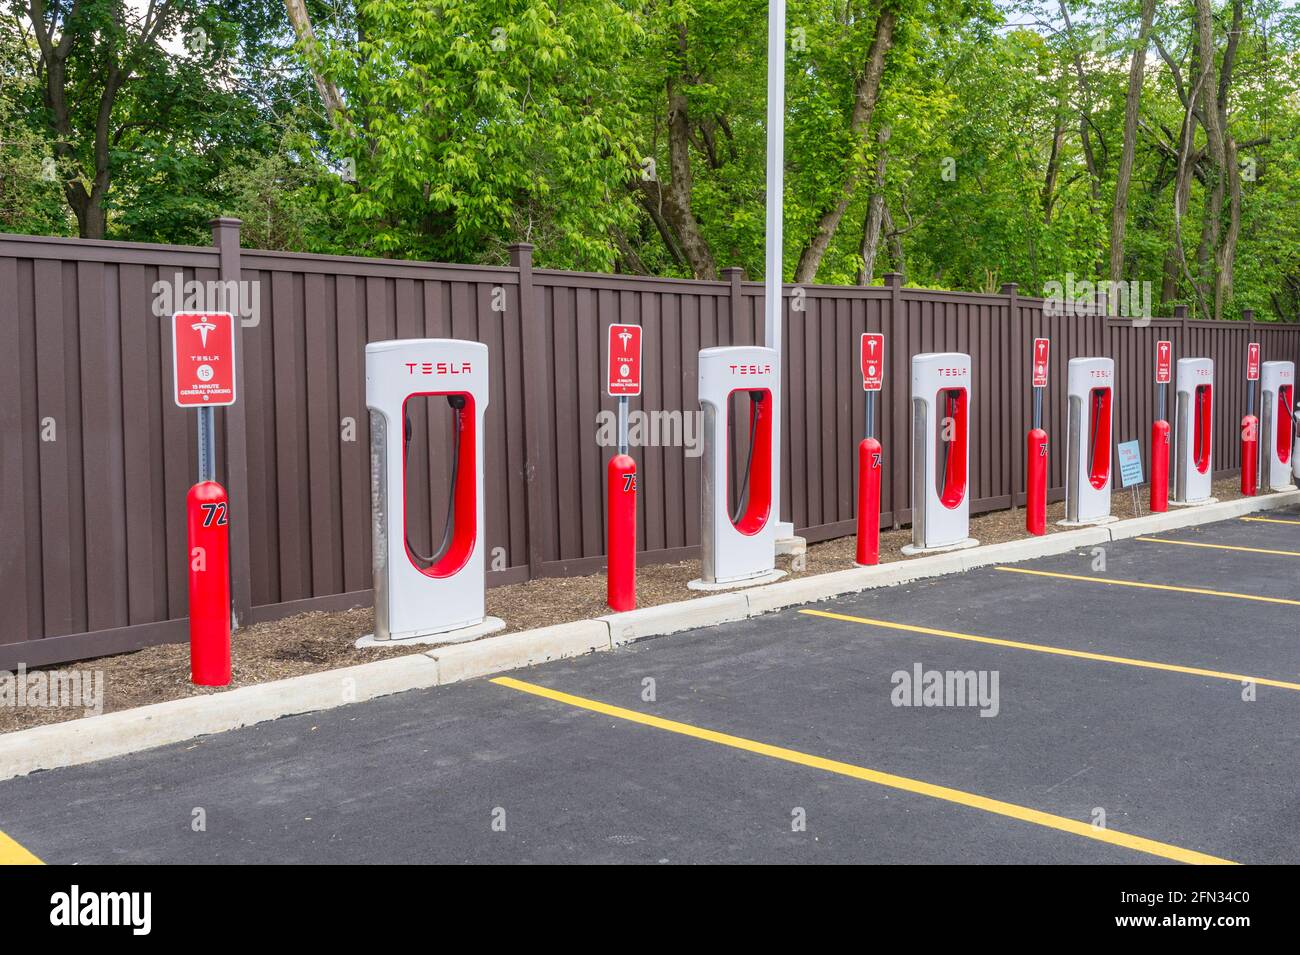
(208, 525)
(620, 514)
(1159, 466)
(1249, 454)
(869, 470)
(1036, 481)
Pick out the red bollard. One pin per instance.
(620, 520)
(869, 461)
(1036, 481)
(1159, 466)
(1249, 454)
(208, 523)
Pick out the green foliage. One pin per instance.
(471, 124)
(474, 124)
(30, 198)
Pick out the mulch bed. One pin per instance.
(311, 642)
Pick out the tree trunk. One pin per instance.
(875, 215)
(866, 94)
(1136, 73)
(1085, 111)
(302, 28)
(895, 243)
(677, 196)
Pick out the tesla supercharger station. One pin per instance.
(941, 403)
(1277, 386)
(1090, 387)
(436, 597)
(737, 523)
(1193, 431)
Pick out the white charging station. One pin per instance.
(941, 413)
(1194, 432)
(737, 522)
(438, 597)
(1090, 394)
(1277, 424)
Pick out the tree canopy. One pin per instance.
(963, 143)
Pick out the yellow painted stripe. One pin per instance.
(1248, 550)
(1270, 520)
(11, 853)
(1058, 651)
(957, 796)
(1138, 583)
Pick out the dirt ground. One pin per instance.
(311, 642)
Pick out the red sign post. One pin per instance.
(208, 521)
(873, 361)
(1160, 430)
(1036, 445)
(203, 372)
(203, 359)
(1042, 346)
(622, 380)
(1164, 362)
(870, 453)
(1250, 425)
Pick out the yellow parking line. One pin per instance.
(1270, 520)
(1137, 583)
(1248, 550)
(11, 853)
(957, 796)
(1058, 651)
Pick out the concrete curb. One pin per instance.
(146, 727)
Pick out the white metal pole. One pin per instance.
(775, 209)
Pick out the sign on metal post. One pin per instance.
(622, 381)
(203, 371)
(1041, 348)
(624, 378)
(1130, 463)
(1252, 361)
(203, 359)
(1164, 362)
(873, 361)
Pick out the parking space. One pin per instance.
(1099, 723)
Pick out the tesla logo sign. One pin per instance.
(438, 368)
(1164, 355)
(1041, 348)
(1252, 361)
(750, 369)
(203, 359)
(873, 361)
(624, 371)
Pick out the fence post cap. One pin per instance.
(893, 279)
(1009, 288)
(731, 270)
(1248, 314)
(1180, 311)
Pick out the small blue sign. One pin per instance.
(1130, 464)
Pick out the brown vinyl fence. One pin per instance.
(97, 459)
